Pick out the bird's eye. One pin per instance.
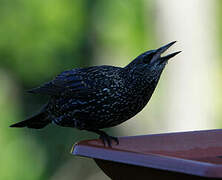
(148, 57)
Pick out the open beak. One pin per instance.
(162, 49)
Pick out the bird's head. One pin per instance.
(151, 63)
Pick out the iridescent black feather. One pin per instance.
(100, 96)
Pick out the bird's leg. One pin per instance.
(105, 137)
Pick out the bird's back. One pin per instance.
(87, 97)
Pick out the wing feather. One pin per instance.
(67, 82)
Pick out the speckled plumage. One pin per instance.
(99, 97)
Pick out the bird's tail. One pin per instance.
(37, 121)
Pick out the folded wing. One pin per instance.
(68, 83)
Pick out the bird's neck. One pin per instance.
(138, 81)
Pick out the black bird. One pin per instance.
(99, 97)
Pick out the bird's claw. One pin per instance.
(108, 139)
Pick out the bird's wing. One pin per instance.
(68, 82)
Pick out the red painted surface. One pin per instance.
(195, 153)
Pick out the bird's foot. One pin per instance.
(106, 139)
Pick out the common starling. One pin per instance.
(100, 97)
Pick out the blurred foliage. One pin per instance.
(39, 39)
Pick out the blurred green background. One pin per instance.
(39, 39)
